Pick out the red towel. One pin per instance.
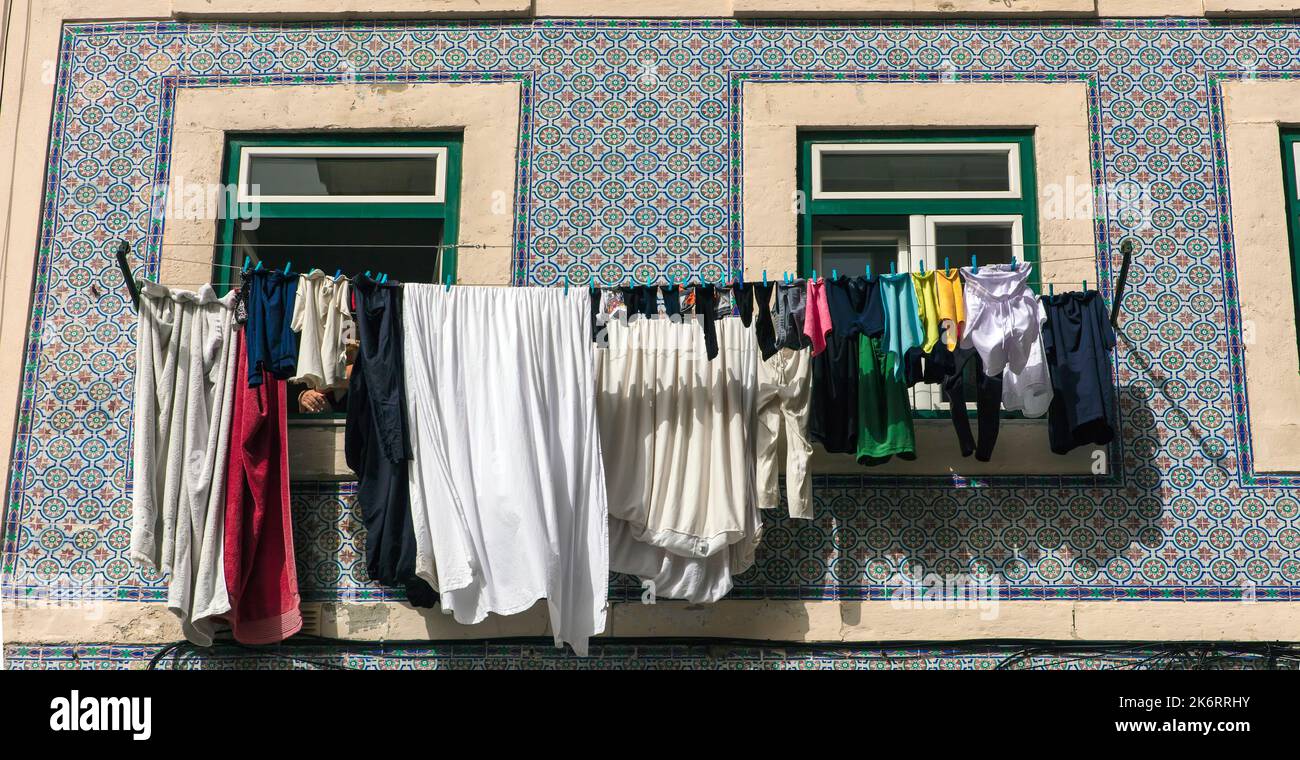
(260, 574)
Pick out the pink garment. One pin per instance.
(817, 316)
(261, 578)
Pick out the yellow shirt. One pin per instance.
(952, 308)
(927, 306)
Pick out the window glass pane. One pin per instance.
(410, 251)
(342, 175)
(958, 242)
(914, 172)
(851, 256)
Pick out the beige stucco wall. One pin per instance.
(825, 621)
(1253, 111)
(1058, 114)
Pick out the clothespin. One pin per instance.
(1051, 289)
(1085, 286)
(893, 267)
(765, 278)
(868, 271)
(814, 275)
(974, 265)
(448, 282)
(566, 284)
(247, 261)
(368, 274)
(286, 266)
(259, 265)
(1013, 262)
(338, 273)
(922, 266)
(946, 268)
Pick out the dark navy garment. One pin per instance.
(377, 444)
(764, 328)
(272, 343)
(706, 305)
(947, 369)
(1078, 339)
(833, 418)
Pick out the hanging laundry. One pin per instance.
(377, 444)
(764, 327)
(788, 316)
(679, 454)
(261, 578)
(952, 305)
(1077, 341)
(833, 419)
(903, 329)
(1030, 390)
(185, 375)
(817, 316)
(927, 303)
(509, 489)
(951, 370)
(272, 345)
(1003, 316)
(884, 413)
(704, 298)
(784, 398)
(322, 317)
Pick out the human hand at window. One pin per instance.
(311, 401)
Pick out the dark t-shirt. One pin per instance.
(1078, 339)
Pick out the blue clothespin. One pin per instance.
(286, 266)
(868, 271)
(1085, 286)
(338, 273)
(974, 265)
(835, 275)
(368, 274)
(1051, 289)
(448, 282)
(1013, 262)
(946, 268)
(259, 265)
(566, 284)
(814, 275)
(765, 278)
(247, 261)
(893, 267)
(922, 266)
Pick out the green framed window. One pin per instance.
(873, 200)
(356, 202)
(1291, 175)
(351, 202)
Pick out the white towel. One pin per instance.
(185, 369)
(507, 488)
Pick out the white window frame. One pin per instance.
(343, 151)
(929, 244)
(1010, 150)
(1295, 156)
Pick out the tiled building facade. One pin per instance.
(630, 165)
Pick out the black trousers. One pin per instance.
(988, 404)
(377, 445)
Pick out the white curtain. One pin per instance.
(507, 489)
(679, 457)
(185, 372)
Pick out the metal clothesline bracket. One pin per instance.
(132, 289)
(1125, 248)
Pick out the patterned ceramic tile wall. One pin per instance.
(629, 153)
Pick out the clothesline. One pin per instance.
(484, 246)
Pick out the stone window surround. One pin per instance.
(774, 112)
(1253, 113)
(487, 113)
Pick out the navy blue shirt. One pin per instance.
(1078, 339)
(272, 343)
